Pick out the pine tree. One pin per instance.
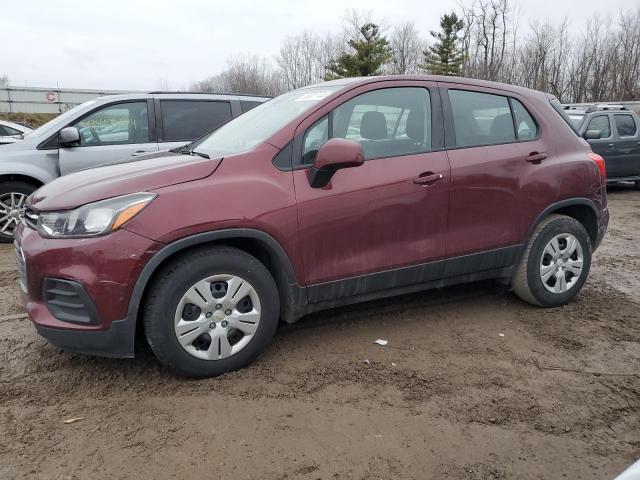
(445, 57)
(371, 50)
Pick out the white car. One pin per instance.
(12, 132)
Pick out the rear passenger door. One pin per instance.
(498, 180)
(627, 148)
(182, 120)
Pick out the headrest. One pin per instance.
(373, 126)
(415, 125)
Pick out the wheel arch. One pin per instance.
(582, 209)
(17, 177)
(255, 242)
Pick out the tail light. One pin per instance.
(600, 162)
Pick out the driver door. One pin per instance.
(116, 132)
(378, 226)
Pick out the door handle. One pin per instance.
(428, 178)
(611, 145)
(138, 153)
(536, 157)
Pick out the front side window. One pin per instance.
(387, 123)
(6, 131)
(189, 119)
(314, 138)
(600, 123)
(481, 118)
(115, 124)
(626, 125)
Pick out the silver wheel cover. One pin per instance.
(225, 318)
(561, 264)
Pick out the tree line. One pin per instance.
(482, 39)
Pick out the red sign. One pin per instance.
(52, 96)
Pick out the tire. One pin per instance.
(21, 190)
(637, 184)
(168, 300)
(527, 281)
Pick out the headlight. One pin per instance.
(93, 219)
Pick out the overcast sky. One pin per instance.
(145, 44)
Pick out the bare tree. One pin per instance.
(488, 38)
(543, 59)
(303, 59)
(407, 48)
(244, 74)
(4, 81)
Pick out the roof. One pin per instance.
(433, 78)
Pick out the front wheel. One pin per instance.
(555, 263)
(13, 197)
(211, 311)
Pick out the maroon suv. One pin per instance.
(332, 194)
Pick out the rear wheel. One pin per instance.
(13, 197)
(212, 311)
(637, 184)
(555, 263)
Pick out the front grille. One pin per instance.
(30, 218)
(22, 266)
(69, 302)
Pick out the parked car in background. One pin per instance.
(11, 132)
(104, 130)
(328, 195)
(614, 133)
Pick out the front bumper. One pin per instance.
(77, 291)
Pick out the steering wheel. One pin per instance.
(95, 136)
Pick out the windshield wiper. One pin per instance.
(200, 154)
(187, 151)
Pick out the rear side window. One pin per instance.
(185, 120)
(601, 123)
(626, 125)
(481, 118)
(526, 126)
(246, 105)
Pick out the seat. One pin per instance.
(502, 129)
(373, 129)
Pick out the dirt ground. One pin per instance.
(558, 396)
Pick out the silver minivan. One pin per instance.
(104, 130)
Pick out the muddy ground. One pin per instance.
(558, 396)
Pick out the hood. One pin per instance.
(98, 183)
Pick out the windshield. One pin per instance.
(255, 126)
(60, 119)
(576, 119)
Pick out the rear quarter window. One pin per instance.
(557, 106)
(246, 105)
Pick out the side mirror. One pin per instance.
(335, 154)
(69, 136)
(593, 134)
